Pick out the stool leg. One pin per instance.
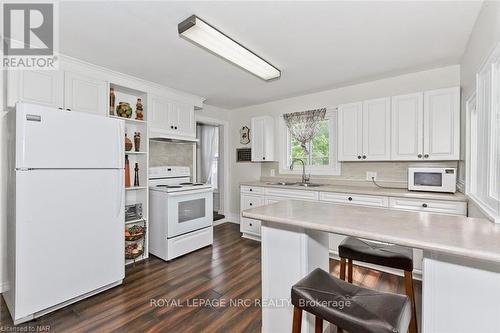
(297, 320)
(349, 270)
(410, 292)
(318, 325)
(342, 269)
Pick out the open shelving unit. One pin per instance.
(135, 194)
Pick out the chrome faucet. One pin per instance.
(305, 179)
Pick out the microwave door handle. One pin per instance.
(181, 193)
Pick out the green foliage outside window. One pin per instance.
(319, 148)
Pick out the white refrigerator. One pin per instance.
(65, 208)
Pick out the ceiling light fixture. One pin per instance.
(204, 35)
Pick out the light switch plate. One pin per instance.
(370, 174)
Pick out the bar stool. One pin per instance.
(393, 256)
(368, 311)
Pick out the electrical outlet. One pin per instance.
(273, 172)
(370, 174)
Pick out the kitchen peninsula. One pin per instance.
(461, 258)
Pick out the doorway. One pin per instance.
(210, 162)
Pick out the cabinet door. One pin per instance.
(186, 124)
(407, 130)
(377, 130)
(442, 124)
(257, 141)
(85, 94)
(160, 112)
(40, 87)
(350, 132)
(173, 117)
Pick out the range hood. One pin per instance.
(164, 136)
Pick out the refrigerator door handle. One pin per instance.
(121, 190)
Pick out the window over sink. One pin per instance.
(321, 158)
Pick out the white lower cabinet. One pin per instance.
(252, 196)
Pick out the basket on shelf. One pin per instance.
(134, 255)
(134, 233)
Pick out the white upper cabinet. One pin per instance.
(159, 113)
(364, 131)
(85, 94)
(407, 128)
(172, 118)
(377, 129)
(41, 87)
(184, 121)
(442, 124)
(350, 132)
(262, 139)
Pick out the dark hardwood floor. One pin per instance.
(229, 270)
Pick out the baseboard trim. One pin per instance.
(233, 218)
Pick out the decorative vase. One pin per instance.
(137, 141)
(128, 143)
(112, 101)
(127, 172)
(124, 110)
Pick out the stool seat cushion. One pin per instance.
(355, 309)
(387, 255)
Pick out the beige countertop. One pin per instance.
(369, 190)
(456, 235)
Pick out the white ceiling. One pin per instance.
(317, 45)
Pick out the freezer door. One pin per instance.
(69, 235)
(48, 138)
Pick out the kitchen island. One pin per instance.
(461, 272)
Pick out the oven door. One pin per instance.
(189, 211)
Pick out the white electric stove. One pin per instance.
(181, 212)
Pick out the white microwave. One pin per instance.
(432, 179)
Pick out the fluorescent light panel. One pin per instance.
(202, 34)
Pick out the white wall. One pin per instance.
(403, 84)
(484, 38)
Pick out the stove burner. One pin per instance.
(186, 184)
(169, 186)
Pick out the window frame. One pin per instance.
(485, 99)
(333, 168)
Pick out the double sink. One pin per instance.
(296, 184)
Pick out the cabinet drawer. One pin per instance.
(432, 206)
(355, 199)
(252, 190)
(251, 201)
(250, 226)
(292, 194)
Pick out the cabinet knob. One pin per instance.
(424, 205)
(175, 127)
(251, 224)
(263, 158)
(171, 127)
(251, 190)
(68, 109)
(60, 108)
(426, 155)
(251, 204)
(364, 157)
(359, 157)
(350, 198)
(419, 155)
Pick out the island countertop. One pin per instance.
(455, 235)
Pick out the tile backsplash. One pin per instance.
(170, 153)
(393, 173)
